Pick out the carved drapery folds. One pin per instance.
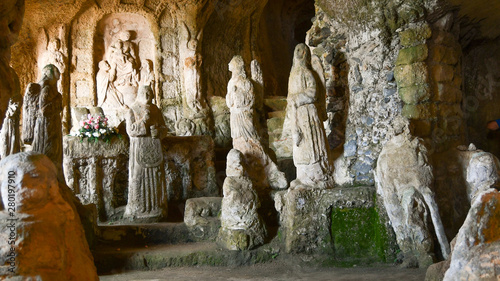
(124, 59)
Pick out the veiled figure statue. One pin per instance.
(10, 140)
(47, 135)
(240, 99)
(310, 145)
(147, 196)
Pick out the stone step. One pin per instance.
(144, 234)
(114, 260)
(277, 103)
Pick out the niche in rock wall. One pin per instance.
(124, 53)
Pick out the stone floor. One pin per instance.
(271, 271)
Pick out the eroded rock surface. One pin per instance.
(38, 225)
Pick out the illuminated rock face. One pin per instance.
(39, 224)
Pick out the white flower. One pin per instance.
(102, 131)
(96, 134)
(88, 134)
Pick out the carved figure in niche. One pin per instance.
(147, 196)
(241, 226)
(194, 99)
(147, 74)
(311, 153)
(47, 135)
(240, 99)
(9, 134)
(107, 94)
(122, 60)
(115, 28)
(117, 78)
(404, 181)
(54, 56)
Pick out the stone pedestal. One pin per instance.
(342, 222)
(97, 172)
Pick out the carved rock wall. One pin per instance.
(169, 31)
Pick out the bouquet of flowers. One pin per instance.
(95, 128)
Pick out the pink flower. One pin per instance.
(96, 127)
(86, 126)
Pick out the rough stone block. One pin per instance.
(276, 104)
(447, 92)
(444, 38)
(443, 54)
(414, 36)
(450, 110)
(415, 94)
(411, 55)
(442, 73)
(411, 74)
(201, 217)
(422, 128)
(306, 214)
(190, 168)
(419, 111)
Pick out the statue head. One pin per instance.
(237, 65)
(145, 95)
(51, 74)
(124, 35)
(104, 65)
(234, 166)
(54, 45)
(301, 55)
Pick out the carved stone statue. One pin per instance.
(10, 141)
(241, 225)
(117, 80)
(54, 56)
(147, 196)
(240, 100)
(147, 74)
(404, 181)
(47, 135)
(310, 145)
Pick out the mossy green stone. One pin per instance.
(419, 111)
(411, 55)
(415, 36)
(415, 94)
(411, 74)
(359, 236)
